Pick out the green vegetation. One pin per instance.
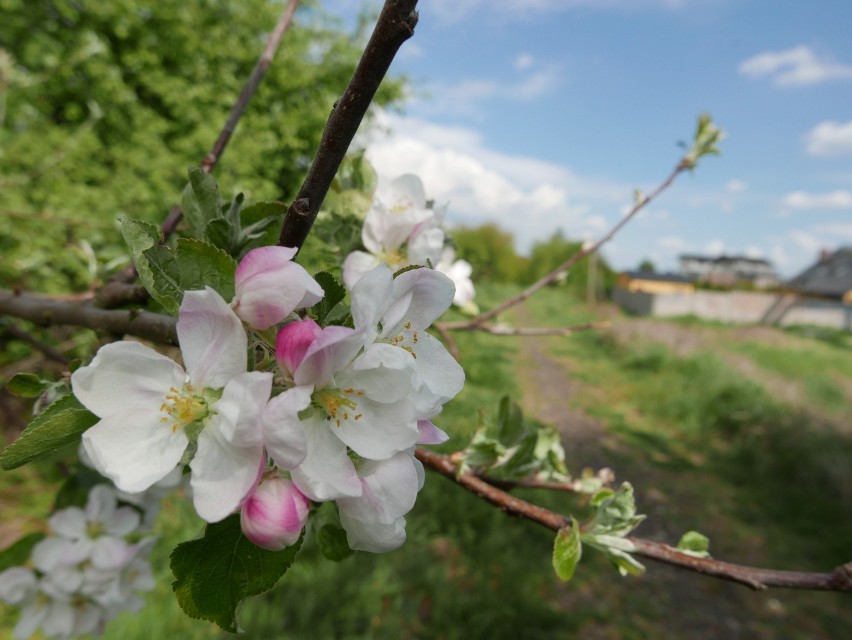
(108, 103)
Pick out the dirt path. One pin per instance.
(665, 602)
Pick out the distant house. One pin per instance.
(830, 278)
(649, 282)
(728, 271)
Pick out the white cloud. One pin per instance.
(754, 252)
(524, 61)
(805, 240)
(795, 67)
(839, 199)
(829, 139)
(452, 11)
(465, 97)
(411, 50)
(736, 186)
(530, 197)
(838, 230)
(714, 247)
(672, 243)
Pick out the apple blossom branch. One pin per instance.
(395, 25)
(161, 329)
(756, 578)
(111, 295)
(480, 322)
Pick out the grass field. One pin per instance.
(743, 435)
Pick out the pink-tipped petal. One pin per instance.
(275, 513)
(292, 343)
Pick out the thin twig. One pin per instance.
(529, 483)
(551, 277)
(19, 334)
(82, 313)
(523, 331)
(838, 580)
(395, 25)
(208, 163)
(451, 345)
(260, 68)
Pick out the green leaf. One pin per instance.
(695, 544)
(617, 550)
(331, 537)
(200, 264)
(221, 233)
(615, 512)
(61, 424)
(334, 293)
(216, 573)
(261, 224)
(165, 277)
(483, 451)
(567, 551)
(200, 200)
(510, 422)
(27, 385)
(143, 240)
(18, 554)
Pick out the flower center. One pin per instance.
(406, 339)
(183, 407)
(393, 259)
(338, 404)
(401, 206)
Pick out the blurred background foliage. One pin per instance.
(104, 105)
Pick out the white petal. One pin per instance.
(333, 349)
(426, 247)
(356, 265)
(420, 297)
(327, 472)
(371, 297)
(439, 371)
(241, 406)
(222, 474)
(212, 339)
(101, 503)
(384, 372)
(69, 523)
(381, 430)
(430, 434)
(283, 433)
(51, 553)
(269, 287)
(110, 553)
(59, 620)
(125, 520)
(125, 376)
(373, 537)
(16, 585)
(390, 490)
(134, 450)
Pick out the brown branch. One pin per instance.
(523, 331)
(551, 277)
(838, 580)
(50, 352)
(82, 313)
(451, 345)
(529, 483)
(395, 25)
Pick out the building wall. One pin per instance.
(738, 307)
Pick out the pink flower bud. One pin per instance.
(269, 286)
(274, 515)
(292, 343)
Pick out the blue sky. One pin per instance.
(546, 114)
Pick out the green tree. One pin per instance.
(107, 103)
(548, 254)
(491, 252)
(646, 266)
